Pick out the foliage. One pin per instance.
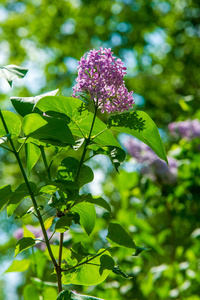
(159, 44)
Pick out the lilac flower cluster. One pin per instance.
(188, 129)
(151, 164)
(101, 76)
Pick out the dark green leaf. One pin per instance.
(63, 224)
(116, 154)
(19, 266)
(19, 194)
(68, 295)
(118, 236)
(68, 170)
(47, 129)
(11, 72)
(141, 126)
(87, 215)
(25, 105)
(117, 270)
(24, 244)
(98, 201)
(139, 250)
(107, 263)
(5, 195)
(13, 123)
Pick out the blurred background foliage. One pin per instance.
(159, 44)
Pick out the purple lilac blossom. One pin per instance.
(188, 129)
(151, 165)
(101, 76)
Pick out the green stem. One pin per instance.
(87, 141)
(30, 193)
(58, 267)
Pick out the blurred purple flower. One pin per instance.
(188, 129)
(101, 76)
(151, 165)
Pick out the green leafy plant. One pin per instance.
(49, 125)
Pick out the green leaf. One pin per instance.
(68, 295)
(48, 222)
(107, 263)
(63, 224)
(81, 119)
(24, 244)
(25, 105)
(117, 270)
(19, 194)
(87, 215)
(32, 155)
(49, 293)
(19, 266)
(11, 72)
(141, 126)
(116, 154)
(89, 273)
(5, 195)
(47, 129)
(68, 170)
(13, 124)
(139, 250)
(119, 237)
(5, 138)
(28, 233)
(98, 201)
(30, 292)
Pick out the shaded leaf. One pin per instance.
(139, 250)
(87, 215)
(63, 224)
(18, 195)
(11, 72)
(119, 237)
(47, 129)
(107, 263)
(19, 266)
(116, 154)
(5, 195)
(24, 244)
(68, 295)
(25, 105)
(68, 170)
(117, 270)
(97, 201)
(141, 126)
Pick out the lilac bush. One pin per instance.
(151, 165)
(188, 129)
(100, 76)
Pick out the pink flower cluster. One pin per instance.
(151, 165)
(101, 77)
